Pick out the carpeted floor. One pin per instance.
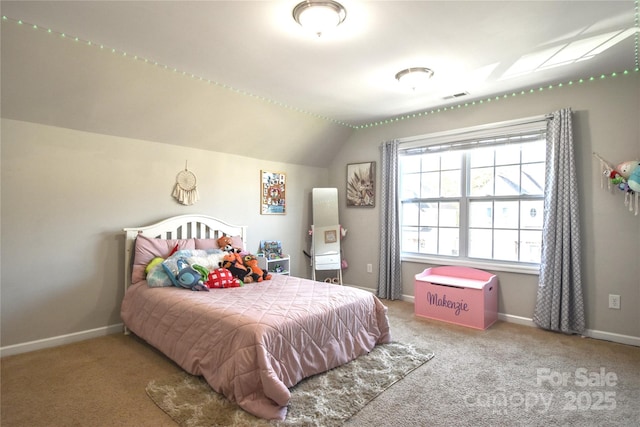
(506, 375)
(323, 400)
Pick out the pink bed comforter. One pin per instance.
(253, 343)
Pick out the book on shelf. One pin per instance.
(271, 249)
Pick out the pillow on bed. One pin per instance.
(158, 278)
(207, 244)
(237, 242)
(148, 248)
(210, 259)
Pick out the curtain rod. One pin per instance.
(497, 125)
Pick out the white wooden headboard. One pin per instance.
(179, 227)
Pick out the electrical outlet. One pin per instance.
(369, 268)
(614, 301)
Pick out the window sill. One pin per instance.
(493, 266)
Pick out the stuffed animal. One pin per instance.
(190, 278)
(156, 261)
(626, 168)
(226, 244)
(251, 262)
(182, 274)
(615, 177)
(204, 272)
(222, 278)
(634, 180)
(238, 270)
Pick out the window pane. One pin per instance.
(429, 240)
(505, 244)
(530, 246)
(508, 154)
(451, 160)
(480, 243)
(430, 184)
(481, 182)
(481, 157)
(410, 214)
(508, 181)
(534, 152)
(410, 186)
(533, 179)
(531, 214)
(449, 214)
(409, 164)
(429, 214)
(430, 162)
(410, 239)
(449, 241)
(481, 214)
(506, 214)
(450, 184)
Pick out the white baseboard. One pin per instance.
(10, 350)
(610, 336)
(591, 333)
(525, 321)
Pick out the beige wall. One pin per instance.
(57, 81)
(66, 195)
(606, 121)
(91, 143)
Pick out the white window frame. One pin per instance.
(462, 139)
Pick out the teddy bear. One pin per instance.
(238, 270)
(226, 244)
(258, 274)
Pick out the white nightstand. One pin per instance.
(275, 265)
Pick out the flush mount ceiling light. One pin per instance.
(414, 77)
(319, 16)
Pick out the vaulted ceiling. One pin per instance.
(346, 77)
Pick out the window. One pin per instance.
(476, 198)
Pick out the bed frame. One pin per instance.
(286, 329)
(179, 227)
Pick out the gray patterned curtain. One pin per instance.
(559, 304)
(389, 274)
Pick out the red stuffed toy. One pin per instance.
(222, 278)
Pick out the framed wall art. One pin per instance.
(330, 236)
(272, 193)
(361, 184)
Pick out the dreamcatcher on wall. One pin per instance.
(186, 190)
(624, 177)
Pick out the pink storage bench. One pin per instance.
(461, 295)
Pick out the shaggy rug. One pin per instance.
(327, 399)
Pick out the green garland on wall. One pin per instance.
(475, 103)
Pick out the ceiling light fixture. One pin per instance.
(414, 77)
(319, 16)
